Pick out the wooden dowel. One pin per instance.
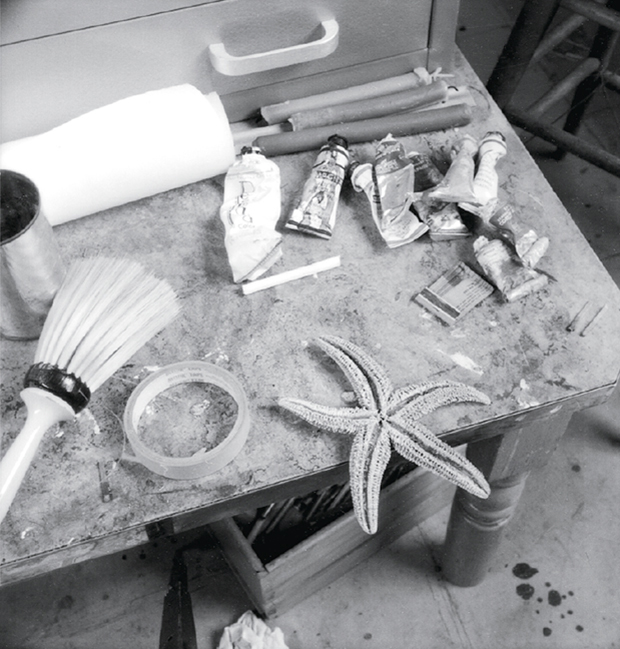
(282, 111)
(401, 124)
(370, 108)
(578, 146)
(596, 318)
(563, 87)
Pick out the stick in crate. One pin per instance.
(104, 312)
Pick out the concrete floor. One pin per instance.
(567, 526)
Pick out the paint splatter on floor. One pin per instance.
(525, 591)
(554, 598)
(524, 571)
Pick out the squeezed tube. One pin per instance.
(458, 183)
(250, 212)
(512, 278)
(526, 243)
(390, 191)
(315, 212)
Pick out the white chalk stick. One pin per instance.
(290, 275)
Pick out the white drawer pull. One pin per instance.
(234, 66)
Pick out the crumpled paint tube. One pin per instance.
(250, 212)
(316, 210)
(426, 173)
(458, 183)
(512, 279)
(388, 186)
(526, 243)
(406, 229)
(443, 219)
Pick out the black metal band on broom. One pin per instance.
(104, 312)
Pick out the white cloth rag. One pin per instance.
(250, 632)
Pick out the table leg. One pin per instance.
(476, 526)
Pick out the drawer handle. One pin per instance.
(234, 66)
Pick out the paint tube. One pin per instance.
(458, 183)
(526, 243)
(511, 277)
(486, 182)
(393, 179)
(443, 220)
(426, 173)
(250, 212)
(397, 233)
(316, 210)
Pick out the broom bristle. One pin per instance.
(105, 310)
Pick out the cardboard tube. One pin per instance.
(281, 112)
(370, 108)
(401, 124)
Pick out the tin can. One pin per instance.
(31, 267)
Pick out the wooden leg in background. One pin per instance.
(476, 526)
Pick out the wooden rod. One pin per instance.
(400, 124)
(594, 154)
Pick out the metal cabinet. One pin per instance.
(62, 58)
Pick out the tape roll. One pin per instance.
(203, 462)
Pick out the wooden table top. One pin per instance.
(520, 353)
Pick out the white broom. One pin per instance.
(105, 310)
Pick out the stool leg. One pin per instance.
(602, 47)
(527, 32)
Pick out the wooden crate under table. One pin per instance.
(316, 562)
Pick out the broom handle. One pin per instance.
(44, 410)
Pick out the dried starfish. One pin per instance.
(387, 418)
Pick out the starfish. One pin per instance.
(387, 418)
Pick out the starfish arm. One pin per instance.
(369, 380)
(335, 420)
(420, 446)
(408, 392)
(414, 405)
(370, 454)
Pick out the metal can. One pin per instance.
(31, 267)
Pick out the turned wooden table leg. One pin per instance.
(476, 526)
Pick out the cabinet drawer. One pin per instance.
(23, 20)
(50, 79)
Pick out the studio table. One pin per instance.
(536, 373)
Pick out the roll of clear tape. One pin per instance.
(133, 148)
(203, 462)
